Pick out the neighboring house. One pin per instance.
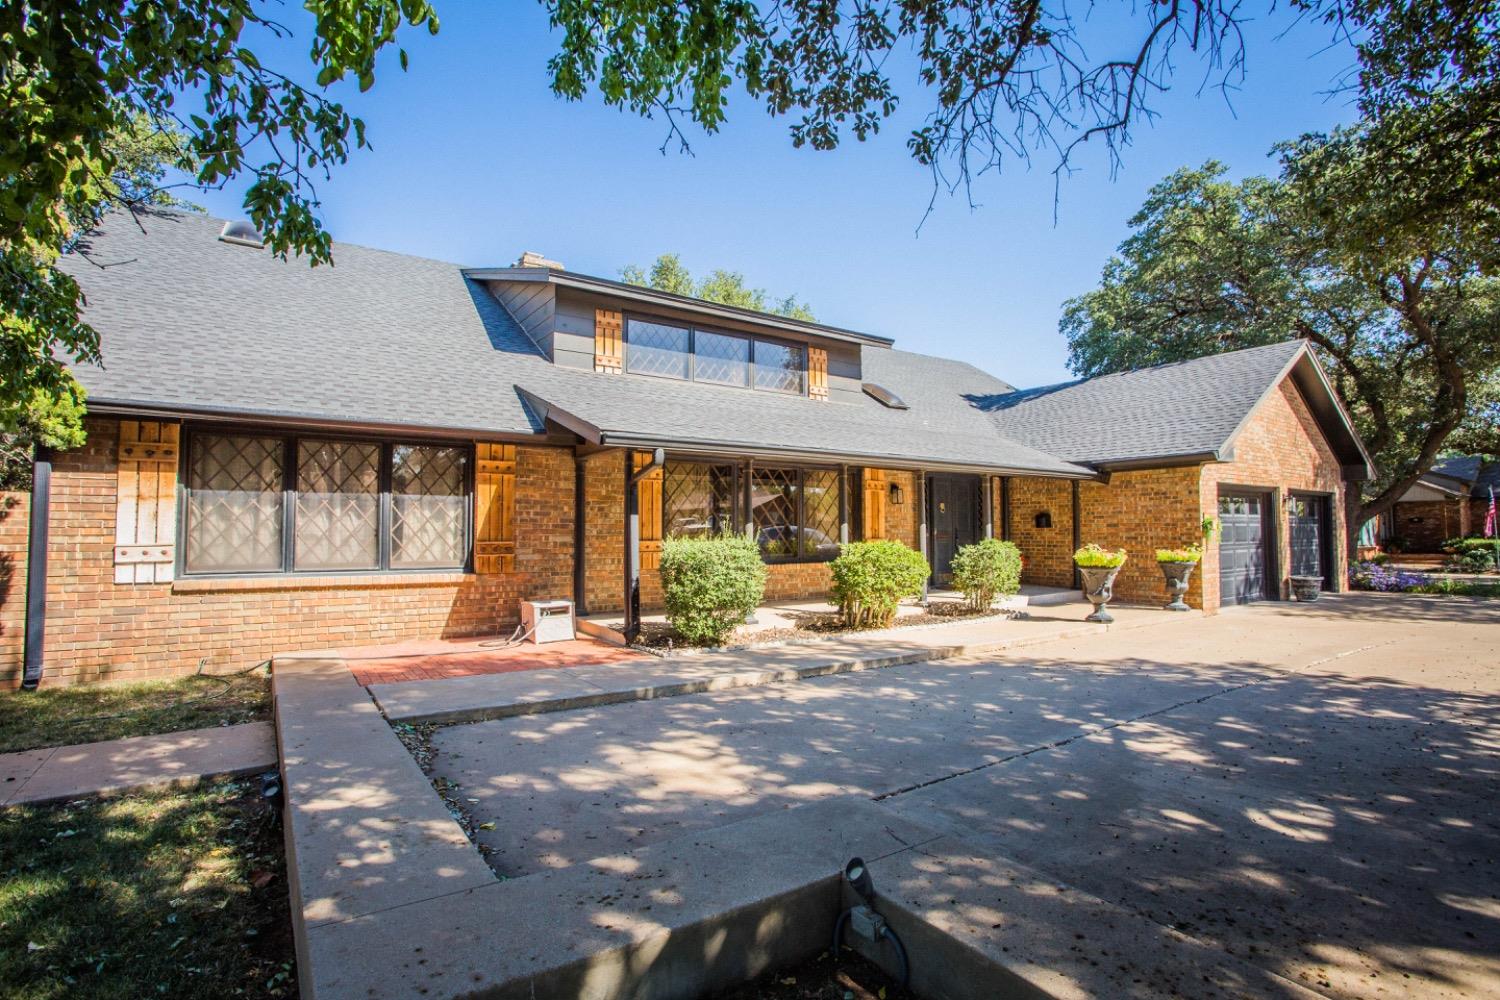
(286, 457)
(1450, 501)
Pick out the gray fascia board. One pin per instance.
(626, 439)
(1164, 461)
(1342, 414)
(226, 415)
(619, 289)
(547, 412)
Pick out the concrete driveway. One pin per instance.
(1315, 788)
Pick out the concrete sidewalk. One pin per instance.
(34, 777)
(498, 696)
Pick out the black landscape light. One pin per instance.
(858, 877)
(864, 922)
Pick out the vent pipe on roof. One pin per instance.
(533, 259)
(242, 234)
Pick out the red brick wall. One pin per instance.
(98, 630)
(1283, 449)
(1046, 553)
(1426, 524)
(14, 524)
(1141, 512)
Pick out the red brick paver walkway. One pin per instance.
(437, 659)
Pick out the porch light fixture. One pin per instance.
(897, 494)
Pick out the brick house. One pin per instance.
(1449, 502)
(285, 457)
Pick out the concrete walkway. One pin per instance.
(34, 777)
(497, 696)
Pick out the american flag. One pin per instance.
(1489, 519)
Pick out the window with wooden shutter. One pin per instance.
(609, 341)
(649, 497)
(495, 509)
(874, 506)
(817, 373)
(146, 502)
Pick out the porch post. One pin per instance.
(1077, 532)
(580, 538)
(1005, 508)
(987, 497)
(843, 505)
(633, 478)
(36, 570)
(922, 527)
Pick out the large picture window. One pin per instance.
(263, 504)
(680, 352)
(795, 513)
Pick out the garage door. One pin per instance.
(1242, 547)
(1305, 532)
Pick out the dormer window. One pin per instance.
(667, 350)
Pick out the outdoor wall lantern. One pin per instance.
(898, 495)
(1044, 519)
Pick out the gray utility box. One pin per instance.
(547, 621)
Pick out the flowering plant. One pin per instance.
(1373, 576)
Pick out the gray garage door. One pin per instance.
(1242, 547)
(1305, 532)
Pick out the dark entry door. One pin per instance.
(1242, 547)
(953, 504)
(1305, 520)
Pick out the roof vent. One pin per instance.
(533, 259)
(877, 391)
(242, 234)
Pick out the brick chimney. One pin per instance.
(533, 259)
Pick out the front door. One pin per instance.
(953, 506)
(1242, 547)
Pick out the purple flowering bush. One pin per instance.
(1373, 576)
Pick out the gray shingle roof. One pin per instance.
(1188, 408)
(191, 323)
(1473, 472)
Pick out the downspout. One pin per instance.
(580, 539)
(922, 524)
(1077, 533)
(633, 540)
(987, 497)
(843, 505)
(1005, 508)
(36, 570)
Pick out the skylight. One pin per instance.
(879, 392)
(242, 234)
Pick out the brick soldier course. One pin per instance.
(541, 384)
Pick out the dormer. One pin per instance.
(614, 328)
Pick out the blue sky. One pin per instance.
(474, 160)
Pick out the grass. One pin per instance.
(174, 894)
(60, 716)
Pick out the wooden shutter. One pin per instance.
(817, 373)
(146, 502)
(495, 508)
(609, 341)
(649, 497)
(874, 509)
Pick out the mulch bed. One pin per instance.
(809, 626)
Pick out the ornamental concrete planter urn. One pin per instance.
(1099, 567)
(1307, 588)
(1099, 588)
(1177, 566)
(1177, 574)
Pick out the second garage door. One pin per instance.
(1242, 547)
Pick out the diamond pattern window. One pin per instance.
(779, 367)
(657, 349)
(234, 505)
(428, 504)
(774, 503)
(697, 499)
(338, 505)
(820, 517)
(721, 359)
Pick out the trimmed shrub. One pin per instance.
(1479, 554)
(1092, 555)
(986, 570)
(871, 578)
(711, 585)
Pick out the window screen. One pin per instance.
(427, 506)
(234, 504)
(338, 505)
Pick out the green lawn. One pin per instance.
(54, 717)
(177, 894)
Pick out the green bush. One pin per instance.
(986, 570)
(711, 585)
(1092, 555)
(1469, 560)
(871, 578)
(1191, 554)
(1479, 553)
